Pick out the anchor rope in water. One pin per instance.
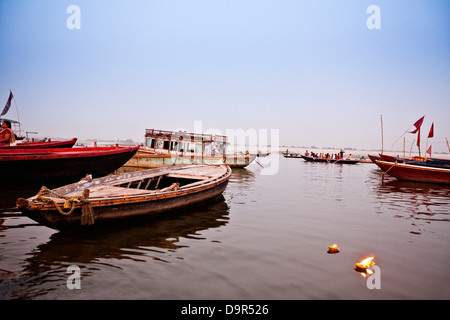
(384, 172)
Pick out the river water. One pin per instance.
(266, 238)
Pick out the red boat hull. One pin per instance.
(410, 172)
(73, 163)
(392, 158)
(38, 145)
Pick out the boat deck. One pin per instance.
(141, 182)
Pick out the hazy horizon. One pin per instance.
(318, 72)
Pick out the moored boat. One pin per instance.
(166, 148)
(292, 155)
(413, 172)
(42, 144)
(262, 154)
(374, 157)
(69, 163)
(127, 195)
(420, 161)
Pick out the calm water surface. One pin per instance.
(266, 238)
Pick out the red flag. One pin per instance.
(417, 124)
(8, 104)
(431, 134)
(429, 151)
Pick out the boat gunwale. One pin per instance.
(62, 153)
(412, 166)
(332, 161)
(124, 199)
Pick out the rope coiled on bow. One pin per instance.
(87, 212)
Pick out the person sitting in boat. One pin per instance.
(7, 137)
(307, 153)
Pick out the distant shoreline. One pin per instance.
(355, 153)
(359, 153)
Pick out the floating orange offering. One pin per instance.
(333, 249)
(363, 265)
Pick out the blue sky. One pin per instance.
(311, 69)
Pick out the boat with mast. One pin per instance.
(419, 169)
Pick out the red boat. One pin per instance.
(392, 158)
(56, 163)
(420, 161)
(412, 172)
(42, 144)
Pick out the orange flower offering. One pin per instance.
(363, 265)
(333, 249)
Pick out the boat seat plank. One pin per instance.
(111, 191)
(207, 171)
(187, 176)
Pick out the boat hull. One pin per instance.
(151, 160)
(408, 172)
(292, 155)
(122, 211)
(118, 208)
(430, 162)
(73, 163)
(44, 144)
(334, 161)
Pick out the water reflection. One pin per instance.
(240, 186)
(421, 202)
(138, 238)
(324, 180)
(243, 177)
(154, 238)
(10, 193)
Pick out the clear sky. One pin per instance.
(312, 69)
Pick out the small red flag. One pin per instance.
(417, 124)
(429, 151)
(431, 134)
(8, 104)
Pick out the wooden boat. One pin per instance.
(337, 161)
(412, 172)
(42, 144)
(374, 157)
(166, 148)
(145, 158)
(292, 155)
(74, 163)
(126, 195)
(262, 154)
(415, 161)
(420, 161)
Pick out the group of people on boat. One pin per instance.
(328, 156)
(7, 137)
